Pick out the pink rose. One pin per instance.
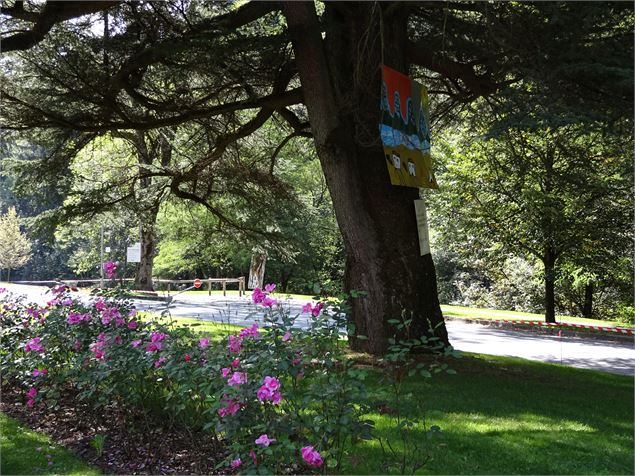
(257, 296)
(238, 378)
(312, 457)
(264, 440)
(34, 345)
(250, 332)
(316, 310)
(268, 302)
(235, 344)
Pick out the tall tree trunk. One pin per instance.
(377, 219)
(550, 280)
(285, 276)
(148, 150)
(143, 278)
(587, 309)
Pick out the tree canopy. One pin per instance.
(217, 73)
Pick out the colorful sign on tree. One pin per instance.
(405, 130)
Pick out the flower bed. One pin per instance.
(278, 397)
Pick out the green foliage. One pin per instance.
(502, 415)
(15, 247)
(98, 442)
(410, 452)
(558, 193)
(158, 370)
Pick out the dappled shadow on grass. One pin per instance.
(503, 416)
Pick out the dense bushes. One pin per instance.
(279, 396)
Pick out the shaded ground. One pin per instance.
(155, 450)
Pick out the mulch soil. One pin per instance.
(129, 449)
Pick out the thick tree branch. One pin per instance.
(52, 13)
(281, 145)
(293, 120)
(55, 120)
(163, 50)
(479, 85)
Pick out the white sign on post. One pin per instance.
(133, 253)
(422, 227)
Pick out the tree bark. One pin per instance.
(377, 219)
(549, 262)
(285, 276)
(143, 278)
(587, 308)
(161, 149)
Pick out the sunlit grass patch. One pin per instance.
(28, 452)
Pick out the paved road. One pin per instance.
(607, 356)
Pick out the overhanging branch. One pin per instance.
(43, 21)
(55, 120)
(479, 85)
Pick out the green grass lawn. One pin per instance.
(23, 451)
(480, 313)
(210, 328)
(511, 416)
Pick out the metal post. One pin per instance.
(224, 288)
(101, 257)
(209, 286)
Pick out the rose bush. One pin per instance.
(282, 397)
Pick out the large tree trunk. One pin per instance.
(587, 308)
(377, 219)
(550, 280)
(143, 278)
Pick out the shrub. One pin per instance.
(280, 396)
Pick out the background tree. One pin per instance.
(15, 247)
(554, 193)
(232, 68)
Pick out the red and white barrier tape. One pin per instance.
(619, 330)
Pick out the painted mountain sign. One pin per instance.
(405, 130)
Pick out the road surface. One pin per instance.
(607, 356)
